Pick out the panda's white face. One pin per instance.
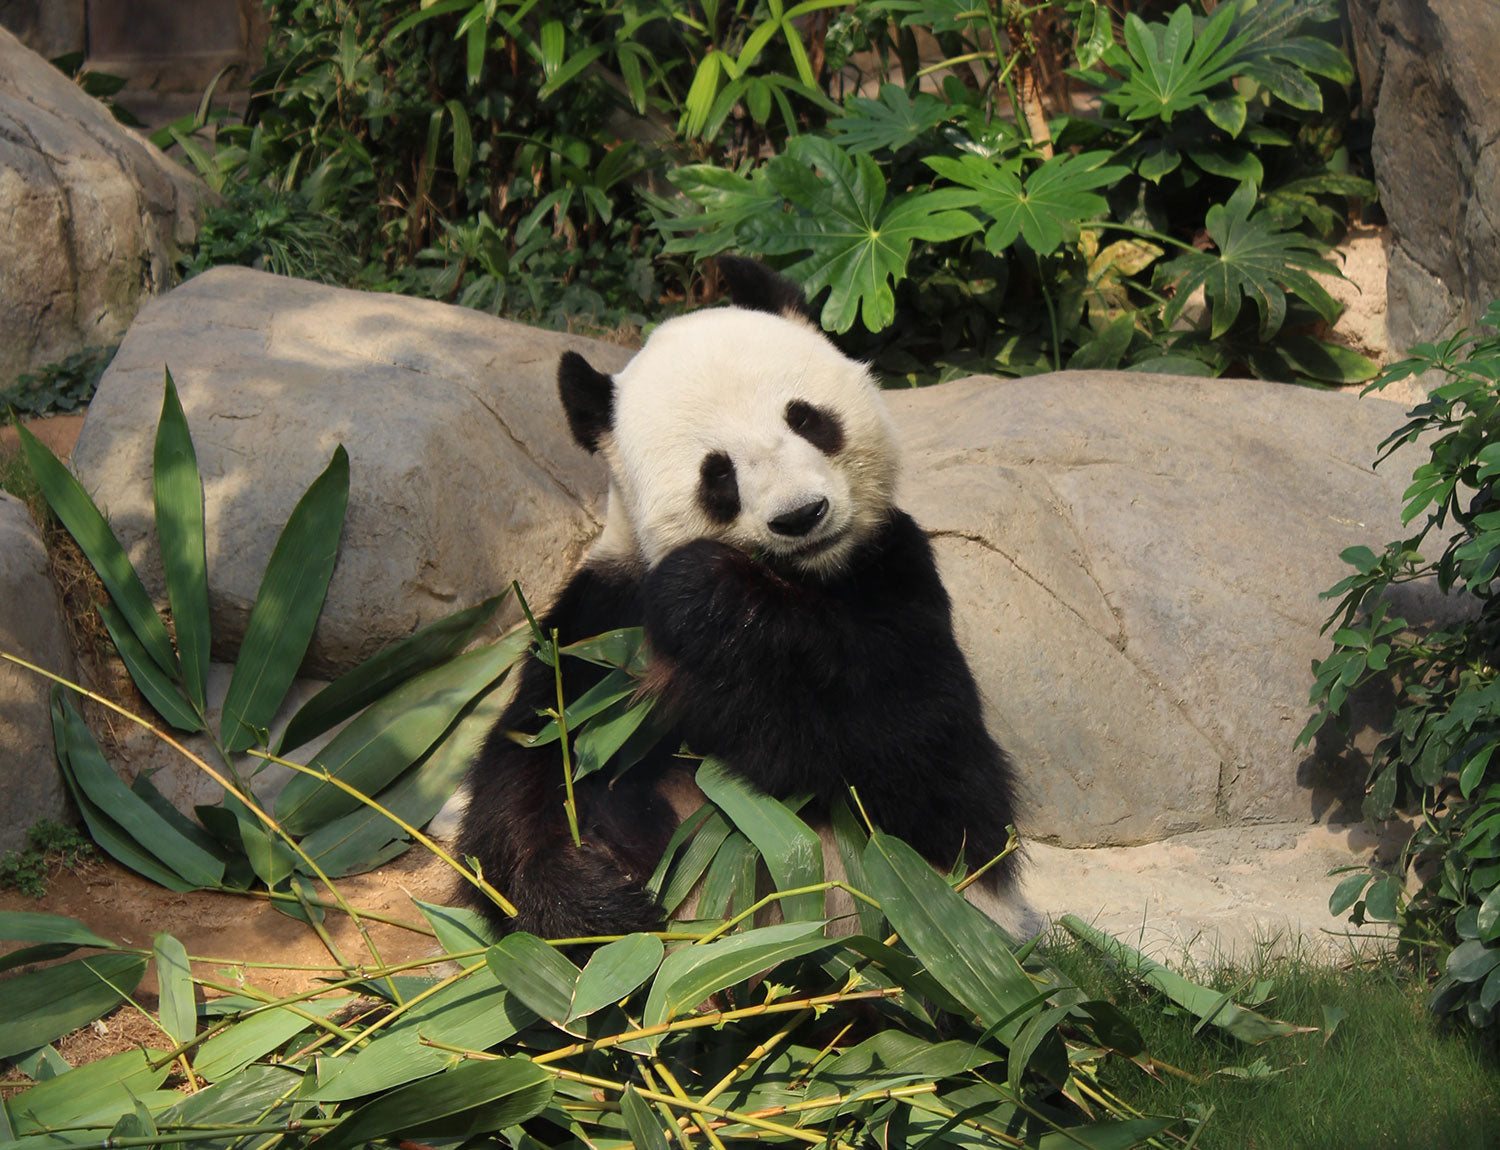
(751, 429)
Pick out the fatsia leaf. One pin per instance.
(859, 243)
(891, 122)
(729, 202)
(1254, 260)
(287, 606)
(1046, 207)
(1166, 68)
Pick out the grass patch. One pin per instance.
(51, 847)
(1379, 1072)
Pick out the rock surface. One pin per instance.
(1135, 564)
(91, 216)
(1427, 67)
(31, 628)
(463, 475)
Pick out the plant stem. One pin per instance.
(569, 804)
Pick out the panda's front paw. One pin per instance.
(698, 592)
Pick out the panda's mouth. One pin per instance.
(807, 550)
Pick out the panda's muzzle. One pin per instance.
(800, 521)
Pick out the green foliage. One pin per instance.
(49, 846)
(1437, 755)
(59, 387)
(413, 710)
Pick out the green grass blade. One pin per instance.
(389, 736)
(46, 1004)
(131, 831)
(376, 676)
(160, 691)
(965, 951)
(67, 498)
(178, 494)
(287, 606)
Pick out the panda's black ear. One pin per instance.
(588, 398)
(756, 287)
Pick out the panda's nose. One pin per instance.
(800, 520)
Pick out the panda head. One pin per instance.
(741, 424)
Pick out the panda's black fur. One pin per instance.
(799, 681)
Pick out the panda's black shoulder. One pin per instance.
(897, 561)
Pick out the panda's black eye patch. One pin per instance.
(718, 490)
(819, 427)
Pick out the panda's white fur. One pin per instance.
(666, 421)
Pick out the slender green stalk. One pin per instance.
(561, 715)
(776, 896)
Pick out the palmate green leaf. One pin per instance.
(1165, 68)
(67, 498)
(472, 1098)
(177, 492)
(45, 1004)
(132, 831)
(102, 1089)
(390, 735)
(962, 948)
(731, 201)
(1046, 208)
(859, 242)
(385, 670)
(891, 122)
(1255, 260)
(792, 851)
(287, 606)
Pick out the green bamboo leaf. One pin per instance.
(645, 1130)
(1208, 1005)
(160, 691)
(390, 735)
(35, 926)
(535, 973)
(354, 690)
(703, 835)
(729, 874)
(263, 1030)
(67, 498)
(473, 1013)
(240, 1098)
(45, 1004)
(457, 928)
(1122, 1135)
(850, 839)
(108, 1086)
(174, 979)
(178, 494)
(270, 857)
(614, 971)
(691, 973)
(472, 1098)
(130, 817)
(791, 849)
(463, 140)
(963, 949)
(287, 606)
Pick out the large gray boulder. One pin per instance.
(31, 628)
(91, 216)
(1135, 564)
(1428, 69)
(463, 475)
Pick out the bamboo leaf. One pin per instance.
(47, 1003)
(34, 926)
(457, 928)
(351, 692)
(108, 1086)
(962, 948)
(390, 735)
(66, 496)
(614, 971)
(287, 606)
(160, 691)
(791, 849)
(130, 817)
(645, 1130)
(535, 973)
(178, 494)
(472, 1098)
(230, 1051)
(174, 980)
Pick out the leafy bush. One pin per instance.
(1438, 756)
(506, 156)
(59, 387)
(49, 845)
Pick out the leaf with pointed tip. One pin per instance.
(891, 122)
(1045, 208)
(45, 1004)
(178, 494)
(792, 851)
(287, 606)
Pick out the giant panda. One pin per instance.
(797, 625)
